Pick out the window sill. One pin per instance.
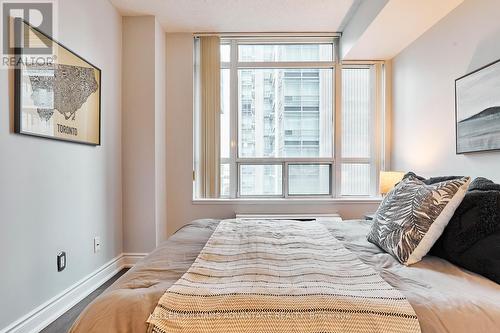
(288, 201)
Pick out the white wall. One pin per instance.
(423, 92)
(181, 210)
(56, 195)
(144, 202)
(138, 135)
(160, 133)
(361, 18)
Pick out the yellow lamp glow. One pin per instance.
(388, 179)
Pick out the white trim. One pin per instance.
(292, 160)
(43, 315)
(233, 121)
(253, 35)
(289, 201)
(337, 126)
(286, 64)
(130, 259)
(333, 217)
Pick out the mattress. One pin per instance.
(444, 297)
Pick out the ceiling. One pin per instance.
(372, 29)
(400, 23)
(242, 15)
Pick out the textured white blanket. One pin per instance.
(280, 276)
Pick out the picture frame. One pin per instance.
(58, 101)
(477, 110)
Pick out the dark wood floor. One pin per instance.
(63, 323)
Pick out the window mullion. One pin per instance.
(374, 130)
(338, 129)
(356, 160)
(234, 128)
(286, 64)
(284, 181)
(378, 142)
(278, 160)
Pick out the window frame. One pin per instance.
(377, 157)
(378, 151)
(234, 160)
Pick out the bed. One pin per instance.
(444, 297)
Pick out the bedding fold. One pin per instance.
(280, 276)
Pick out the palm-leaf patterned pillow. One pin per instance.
(413, 216)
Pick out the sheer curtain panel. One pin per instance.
(210, 116)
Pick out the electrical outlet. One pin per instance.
(61, 261)
(97, 244)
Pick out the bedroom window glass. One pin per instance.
(358, 128)
(294, 122)
(280, 112)
(261, 180)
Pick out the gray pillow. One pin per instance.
(413, 216)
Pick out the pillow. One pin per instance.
(413, 215)
(432, 180)
(472, 238)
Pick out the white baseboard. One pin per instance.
(39, 318)
(130, 259)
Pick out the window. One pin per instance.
(280, 111)
(278, 120)
(358, 128)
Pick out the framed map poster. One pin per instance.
(59, 99)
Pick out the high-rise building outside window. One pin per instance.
(281, 134)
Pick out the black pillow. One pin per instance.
(432, 180)
(472, 237)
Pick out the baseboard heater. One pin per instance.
(301, 217)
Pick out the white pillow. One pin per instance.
(413, 216)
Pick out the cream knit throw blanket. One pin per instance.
(263, 276)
